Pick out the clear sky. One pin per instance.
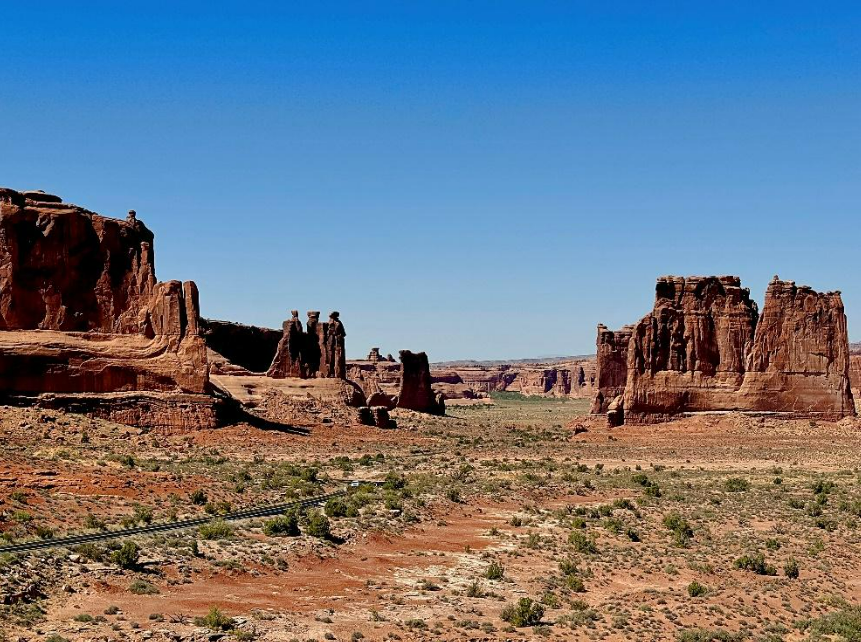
(475, 179)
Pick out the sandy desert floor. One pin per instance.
(707, 528)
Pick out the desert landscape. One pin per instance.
(485, 321)
(164, 476)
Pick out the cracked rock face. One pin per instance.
(704, 347)
(84, 324)
(65, 268)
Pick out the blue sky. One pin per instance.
(475, 179)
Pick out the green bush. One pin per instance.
(141, 587)
(198, 497)
(495, 571)
(282, 526)
(215, 620)
(681, 529)
(317, 525)
(756, 563)
(736, 485)
(582, 542)
(525, 612)
(127, 556)
(695, 589)
(336, 507)
(790, 568)
(216, 529)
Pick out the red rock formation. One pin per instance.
(65, 268)
(855, 371)
(704, 348)
(800, 357)
(84, 322)
(416, 392)
(688, 354)
(316, 352)
(249, 347)
(375, 376)
(611, 369)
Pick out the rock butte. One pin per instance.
(85, 326)
(705, 347)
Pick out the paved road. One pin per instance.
(248, 513)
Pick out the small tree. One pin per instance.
(526, 612)
(127, 556)
(318, 525)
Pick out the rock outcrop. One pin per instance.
(416, 391)
(575, 379)
(800, 357)
(250, 347)
(611, 369)
(704, 347)
(316, 351)
(688, 354)
(65, 268)
(85, 324)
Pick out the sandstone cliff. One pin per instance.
(704, 347)
(800, 356)
(611, 370)
(85, 324)
(65, 268)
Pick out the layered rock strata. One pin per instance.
(85, 324)
(704, 347)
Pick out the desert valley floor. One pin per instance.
(724, 527)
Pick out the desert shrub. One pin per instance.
(282, 526)
(94, 523)
(317, 525)
(495, 571)
(755, 562)
(575, 583)
(126, 556)
(86, 618)
(695, 589)
(215, 620)
(475, 589)
(790, 568)
(681, 529)
(198, 497)
(709, 635)
(525, 612)
(823, 487)
(845, 623)
(582, 542)
(142, 587)
(394, 481)
(143, 514)
(736, 485)
(216, 529)
(336, 507)
(568, 567)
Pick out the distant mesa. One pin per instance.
(705, 347)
